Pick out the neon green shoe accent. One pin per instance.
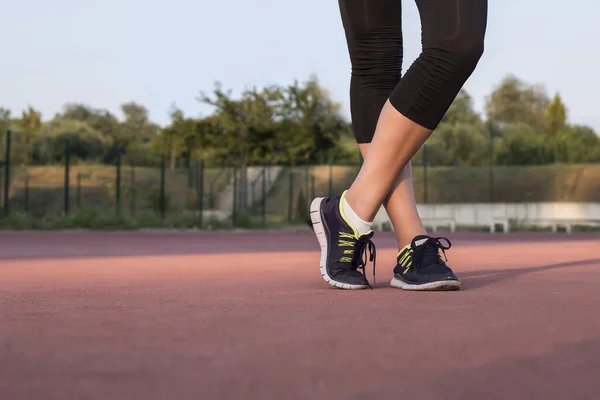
(407, 247)
(406, 258)
(343, 242)
(341, 205)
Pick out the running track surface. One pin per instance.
(247, 316)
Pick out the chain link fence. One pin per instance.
(193, 194)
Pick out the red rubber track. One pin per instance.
(247, 316)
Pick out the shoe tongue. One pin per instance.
(419, 240)
(430, 252)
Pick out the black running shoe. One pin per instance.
(343, 251)
(421, 266)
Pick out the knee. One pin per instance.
(377, 61)
(458, 56)
(467, 54)
(383, 68)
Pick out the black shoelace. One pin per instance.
(430, 248)
(365, 245)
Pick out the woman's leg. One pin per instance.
(453, 33)
(453, 37)
(373, 31)
(374, 36)
(400, 205)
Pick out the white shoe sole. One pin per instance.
(441, 285)
(319, 228)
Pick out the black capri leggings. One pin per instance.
(453, 32)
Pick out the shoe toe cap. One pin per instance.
(445, 276)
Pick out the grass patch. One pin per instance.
(91, 218)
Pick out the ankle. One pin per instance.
(361, 206)
(354, 219)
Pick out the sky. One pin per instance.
(108, 52)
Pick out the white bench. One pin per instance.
(567, 223)
(554, 223)
(435, 223)
(382, 222)
(498, 217)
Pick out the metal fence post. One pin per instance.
(118, 183)
(163, 205)
(264, 198)
(67, 168)
(200, 189)
(491, 167)
(78, 191)
(7, 171)
(132, 191)
(190, 175)
(291, 196)
(26, 194)
(235, 196)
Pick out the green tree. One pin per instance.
(577, 144)
(135, 127)
(76, 111)
(463, 143)
(4, 119)
(315, 120)
(533, 149)
(5, 124)
(30, 125)
(242, 129)
(85, 142)
(298, 123)
(460, 137)
(98, 119)
(514, 101)
(169, 141)
(556, 116)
